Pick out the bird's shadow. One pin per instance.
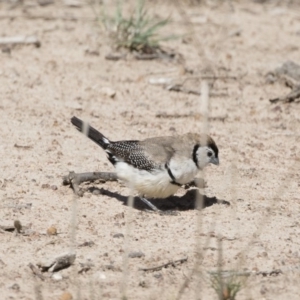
(189, 201)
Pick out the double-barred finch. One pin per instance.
(156, 167)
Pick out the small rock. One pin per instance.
(72, 3)
(100, 275)
(87, 244)
(109, 267)
(92, 52)
(118, 235)
(45, 186)
(96, 192)
(54, 187)
(115, 56)
(62, 262)
(107, 91)
(66, 296)
(15, 287)
(160, 81)
(143, 283)
(52, 230)
(6, 50)
(136, 254)
(45, 2)
(263, 290)
(57, 276)
(18, 225)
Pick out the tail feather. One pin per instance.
(92, 133)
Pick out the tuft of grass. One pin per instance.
(225, 287)
(138, 32)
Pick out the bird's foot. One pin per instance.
(156, 210)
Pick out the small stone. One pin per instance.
(118, 235)
(96, 192)
(6, 50)
(57, 277)
(107, 91)
(136, 254)
(109, 267)
(52, 230)
(45, 2)
(87, 244)
(18, 225)
(72, 3)
(15, 287)
(66, 296)
(143, 283)
(54, 187)
(263, 290)
(45, 186)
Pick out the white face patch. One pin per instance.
(205, 155)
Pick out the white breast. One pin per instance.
(156, 184)
(184, 171)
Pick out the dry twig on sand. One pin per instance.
(36, 271)
(172, 263)
(20, 40)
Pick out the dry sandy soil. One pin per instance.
(43, 87)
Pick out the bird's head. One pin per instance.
(206, 152)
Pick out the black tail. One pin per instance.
(92, 133)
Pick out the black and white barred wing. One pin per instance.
(137, 154)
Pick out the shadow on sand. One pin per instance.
(180, 203)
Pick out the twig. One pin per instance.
(7, 228)
(90, 176)
(74, 179)
(180, 88)
(46, 17)
(207, 77)
(228, 273)
(17, 40)
(195, 115)
(22, 147)
(141, 56)
(36, 271)
(269, 273)
(170, 263)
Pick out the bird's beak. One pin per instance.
(215, 161)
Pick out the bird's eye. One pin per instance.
(209, 154)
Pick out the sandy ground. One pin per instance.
(41, 88)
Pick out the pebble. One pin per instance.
(66, 296)
(118, 235)
(107, 91)
(52, 230)
(136, 254)
(58, 277)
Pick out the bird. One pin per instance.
(156, 167)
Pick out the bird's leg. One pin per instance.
(155, 209)
(74, 179)
(147, 202)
